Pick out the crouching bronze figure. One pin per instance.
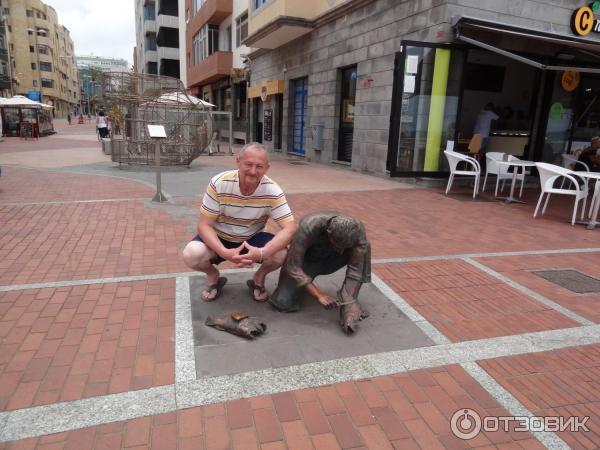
(323, 244)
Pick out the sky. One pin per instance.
(101, 27)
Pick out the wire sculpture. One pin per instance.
(134, 100)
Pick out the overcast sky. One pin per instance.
(103, 27)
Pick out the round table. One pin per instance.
(516, 163)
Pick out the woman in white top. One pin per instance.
(102, 125)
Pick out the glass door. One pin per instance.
(299, 104)
(425, 104)
(346, 128)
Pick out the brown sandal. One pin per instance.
(218, 286)
(261, 289)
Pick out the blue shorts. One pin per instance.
(258, 240)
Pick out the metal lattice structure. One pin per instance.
(132, 101)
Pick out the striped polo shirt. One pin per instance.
(239, 217)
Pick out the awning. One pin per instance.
(511, 41)
(267, 88)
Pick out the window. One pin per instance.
(29, 32)
(150, 11)
(44, 16)
(2, 42)
(38, 14)
(152, 68)
(29, 13)
(196, 5)
(3, 68)
(33, 66)
(10, 29)
(259, 3)
(241, 28)
(6, 11)
(227, 46)
(34, 83)
(205, 42)
(47, 83)
(151, 41)
(31, 49)
(45, 66)
(43, 49)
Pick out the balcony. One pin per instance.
(149, 26)
(168, 53)
(216, 66)
(167, 21)
(282, 21)
(213, 12)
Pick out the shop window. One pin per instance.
(484, 77)
(241, 28)
(425, 122)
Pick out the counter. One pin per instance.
(511, 142)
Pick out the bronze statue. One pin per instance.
(238, 323)
(323, 244)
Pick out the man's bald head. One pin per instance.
(253, 147)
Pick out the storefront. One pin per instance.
(381, 86)
(545, 89)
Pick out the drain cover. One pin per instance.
(572, 280)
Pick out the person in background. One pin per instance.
(102, 125)
(69, 118)
(483, 124)
(590, 156)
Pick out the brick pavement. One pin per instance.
(464, 303)
(520, 269)
(67, 343)
(560, 383)
(404, 411)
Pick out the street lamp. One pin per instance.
(37, 53)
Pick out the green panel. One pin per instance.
(436, 110)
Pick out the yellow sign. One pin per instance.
(570, 80)
(583, 21)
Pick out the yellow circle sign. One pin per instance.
(570, 80)
(582, 21)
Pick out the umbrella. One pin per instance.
(180, 97)
(23, 102)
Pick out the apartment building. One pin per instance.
(42, 55)
(5, 72)
(215, 55)
(157, 37)
(381, 86)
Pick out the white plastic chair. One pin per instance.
(549, 173)
(499, 170)
(570, 162)
(454, 159)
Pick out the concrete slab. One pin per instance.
(311, 335)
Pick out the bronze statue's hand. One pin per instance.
(327, 302)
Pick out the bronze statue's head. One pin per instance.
(343, 232)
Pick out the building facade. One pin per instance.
(88, 67)
(382, 85)
(5, 72)
(157, 37)
(42, 55)
(215, 55)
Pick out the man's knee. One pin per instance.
(197, 255)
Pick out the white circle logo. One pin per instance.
(465, 424)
